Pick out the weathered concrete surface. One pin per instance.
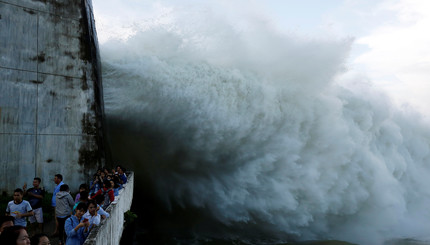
(110, 230)
(51, 100)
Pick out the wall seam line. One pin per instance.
(36, 144)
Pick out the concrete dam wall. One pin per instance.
(51, 100)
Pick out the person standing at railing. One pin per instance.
(107, 192)
(99, 200)
(92, 214)
(122, 176)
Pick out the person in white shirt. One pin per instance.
(19, 208)
(92, 215)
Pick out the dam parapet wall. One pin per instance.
(51, 100)
(110, 230)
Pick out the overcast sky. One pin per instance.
(391, 47)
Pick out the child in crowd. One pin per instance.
(6, 221)
(40, 239)
(76, 226)
(96, 184)
(102, 177)
(63, 209)
(122, 176)
(117, 181)
(92, 215)
(100, 200)
(82, 187)
(83, 198)
(19, 208)
(115, 188)
(14, 235)
(107, 192)
(106, 171)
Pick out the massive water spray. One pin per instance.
(265, 134)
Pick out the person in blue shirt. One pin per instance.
(76, 226)
(58, 180)
(96, 184)
(122, 175)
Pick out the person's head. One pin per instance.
(100, 199)
(106, 171)
(81, 209)
(102, 175)
(116, 179)
(107, 184)
(83, 187)
(64, 187)
(92, 207)
(6, 221)
(118, 167)
(17, 195)
(14, 235)
(83, 197)
(58, 178)
(121, 170)
(40, 239)
(36, 182)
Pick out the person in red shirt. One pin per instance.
(107, 192)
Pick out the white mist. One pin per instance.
(276, 133)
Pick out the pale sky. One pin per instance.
(392, 41)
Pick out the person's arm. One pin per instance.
(124, 179)
(31, 213)
(24, 189)
(97, 193)
(77, 197)
(54, 195)
(69, 229)
(7, 213)
(111, 195)
(86, 224)
(70, 201)
(102, 212)
(29, 193)
(36, 196)
(42, 193)
(94, 183)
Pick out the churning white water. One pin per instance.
(267, 130)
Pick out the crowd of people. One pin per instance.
(74, 217)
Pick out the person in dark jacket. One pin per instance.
(35, 196)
